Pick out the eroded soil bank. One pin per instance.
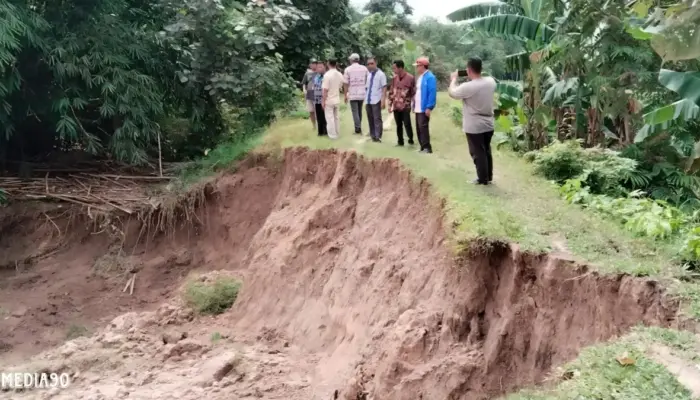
(348, 286)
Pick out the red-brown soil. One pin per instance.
(345, 270)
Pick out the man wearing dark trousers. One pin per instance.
(424, 102)
(376, 95)
(477, 117)
(317, 89)
(403, 87)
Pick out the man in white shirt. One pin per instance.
(333, 81)
(376, 92)
(355, 89)
(477, 117)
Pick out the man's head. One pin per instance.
(320, 67)
(398, 67)
(354, 58)
(333, 64)
(312, 65)
(422, 64)
(372, 64)
(474, 67)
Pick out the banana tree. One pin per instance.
(672, 36)
(528, 22)
(687, 85)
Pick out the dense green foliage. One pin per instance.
(593, 80)
(107, 77)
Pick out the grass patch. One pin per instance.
(219, 158)
(212, 298)
(75, 331)
(597, 373)
(113, 263)
(299, 114)
(216, 337)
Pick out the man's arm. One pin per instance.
(412, 92)
(432, 94)
(390, 94)
(461, 92)
(346, 83)
(383, 83)
(325, 86)
(304, 82)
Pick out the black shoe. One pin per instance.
(358, 131)
(411, 143)
(399, 145)
(376, 140)
(426, 151)
(478, 182)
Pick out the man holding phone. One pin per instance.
(477, 116)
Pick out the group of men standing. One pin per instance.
(367, 86)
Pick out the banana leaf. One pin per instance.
(686, 84)
(664, 117)
(513, 27)
(485, 9)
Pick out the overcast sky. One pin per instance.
(432, 8)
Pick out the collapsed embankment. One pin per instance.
(345, 259)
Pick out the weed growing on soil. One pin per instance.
(75, 331)
(113, 263)
(216, 337)
(212, 298)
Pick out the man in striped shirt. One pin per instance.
(376, 94)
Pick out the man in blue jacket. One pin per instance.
(424, 102)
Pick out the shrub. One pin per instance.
(560, 161)
(212, 298)
(640, 215)
(605, 171)
(690, 250)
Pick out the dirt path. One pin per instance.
(348, 286)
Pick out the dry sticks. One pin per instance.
(130, 285)
(104, 192)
